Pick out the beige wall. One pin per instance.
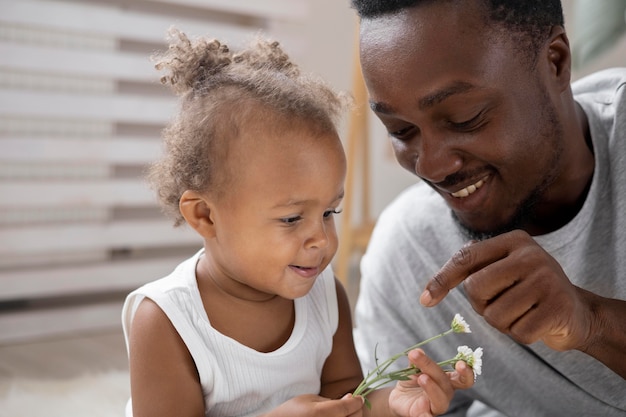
(614, 55)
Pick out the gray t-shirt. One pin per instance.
(416, 235)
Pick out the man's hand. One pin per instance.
(520, 290)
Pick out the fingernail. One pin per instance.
(426, 298)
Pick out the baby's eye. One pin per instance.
(329, 213)
(291, 220)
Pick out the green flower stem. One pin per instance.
(401, 375)
(406, 351)
(373, 379)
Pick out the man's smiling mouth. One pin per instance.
(470, 189)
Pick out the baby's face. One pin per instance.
(275, 225)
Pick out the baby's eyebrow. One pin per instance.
(291, 203)
(295, 202)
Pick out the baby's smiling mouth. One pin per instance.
(305, 271)
(304, 268)
(470, 189)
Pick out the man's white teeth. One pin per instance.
(470, 189)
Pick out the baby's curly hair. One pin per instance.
(221, 94)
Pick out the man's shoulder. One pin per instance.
(605, 83)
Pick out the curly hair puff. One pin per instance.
(221, 94)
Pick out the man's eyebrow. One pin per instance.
(429, 100)
(380, 108)
(438, 96)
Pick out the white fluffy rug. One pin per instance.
(100, 395)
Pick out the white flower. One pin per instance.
(381, 374)
(472, 358)
(459, 325)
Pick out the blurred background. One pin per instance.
(81, 110)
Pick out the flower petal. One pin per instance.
(459, 325)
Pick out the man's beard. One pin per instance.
(523, 215)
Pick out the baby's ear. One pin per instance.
(196, 209)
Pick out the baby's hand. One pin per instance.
(430, 392)
(316, 406)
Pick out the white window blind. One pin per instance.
(80, 114)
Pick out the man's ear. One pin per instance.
(197, 211)
(560, 57)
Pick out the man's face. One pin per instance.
(465, 112)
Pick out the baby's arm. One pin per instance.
(316, 406)
(163, 377)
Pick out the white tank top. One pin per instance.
(237, 380)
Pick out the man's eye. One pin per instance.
(401, 133)
(468, 125)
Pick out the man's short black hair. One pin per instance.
(532, 19)
(514, 12)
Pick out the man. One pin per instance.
(519, 222)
